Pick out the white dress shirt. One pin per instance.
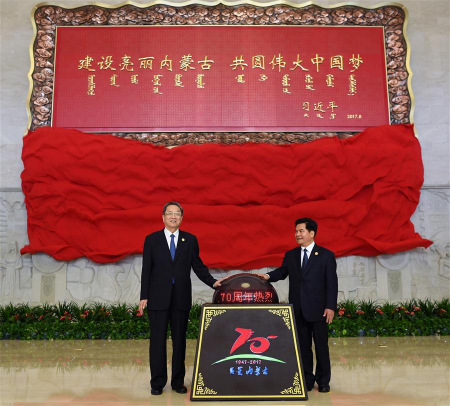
(309, 249)
(167, 233)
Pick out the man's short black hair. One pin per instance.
(172, 204)
(310, 224)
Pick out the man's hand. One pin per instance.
(142, 305)
(263, 276)
(219, 282)
(329, 314)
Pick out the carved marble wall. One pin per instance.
(15, 271)
(39, 278)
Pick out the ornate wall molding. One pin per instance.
(47, 17)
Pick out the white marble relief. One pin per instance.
(419, 273)
(15, 270)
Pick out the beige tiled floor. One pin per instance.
(368, 371)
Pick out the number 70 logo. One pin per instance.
(244, 337)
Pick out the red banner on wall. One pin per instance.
(224, 78)
(99, 196)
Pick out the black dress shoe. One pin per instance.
(180, 389)
(324, 388)
(309, 388)
(156, 391)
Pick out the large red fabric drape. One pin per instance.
(98, 195)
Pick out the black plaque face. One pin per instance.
(248, 352)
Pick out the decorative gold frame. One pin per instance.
(296, 391)
(393, 17)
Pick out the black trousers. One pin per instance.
(307, 331)
(159, 321)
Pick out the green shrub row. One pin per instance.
(121, 321)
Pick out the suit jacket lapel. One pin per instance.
(297, 262)
(163, 242)
(181, 245)
(312, 258)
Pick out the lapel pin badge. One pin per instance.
(316, 253)
(182, 239)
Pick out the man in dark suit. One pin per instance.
(313, 289)
(166, 290)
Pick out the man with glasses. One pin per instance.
(166, 290)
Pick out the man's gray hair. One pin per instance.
(172, 204)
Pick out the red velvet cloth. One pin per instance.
(98, 195)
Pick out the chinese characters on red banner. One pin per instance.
(246, 297)
(233, 78)
(257, 62)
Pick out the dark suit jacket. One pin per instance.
(316, 288)
(159, 270)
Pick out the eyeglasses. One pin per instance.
(172, 213)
